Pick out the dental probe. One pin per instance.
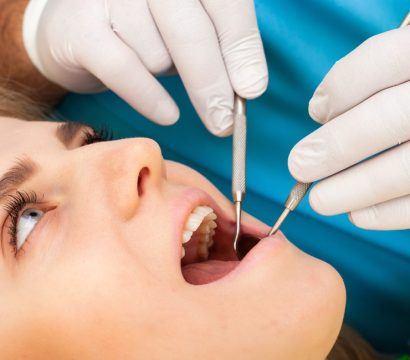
(248, 241)
(300, 189)
(238, 161)
(296, 195)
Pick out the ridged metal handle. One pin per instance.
(239, 149)
(296, 195)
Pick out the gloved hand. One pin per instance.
(87, 45)
(364, 104)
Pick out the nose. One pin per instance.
(120, 173)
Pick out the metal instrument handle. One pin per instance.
(296, 195)
(239, 149)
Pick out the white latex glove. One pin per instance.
(364, 104)
(87, 45)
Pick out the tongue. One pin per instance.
(207, 271)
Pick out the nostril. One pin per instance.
(142, 178)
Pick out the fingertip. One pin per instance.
(224, 133)
(312, 109)
(351, 219)
(218, 118)
(251, 83)
(166, 112)
(357, 220)
(364, 218)
(318, 106)
(223, 128)
(315, 201)
(294, 164)
(297, 165)
(321, 202)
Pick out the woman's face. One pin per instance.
(92, 236)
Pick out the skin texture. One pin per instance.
(100, 275)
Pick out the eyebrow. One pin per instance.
(25, 167)
(68, 131)
(17, 175)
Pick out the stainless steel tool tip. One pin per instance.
(279, 222)
(244, 242)
(238, 213)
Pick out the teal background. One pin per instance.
(302, 40)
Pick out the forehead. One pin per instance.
(20, 138)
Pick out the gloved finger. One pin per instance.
(241, 45)
(120, 69)
(374, 181)
(390, 215)
(192, 41)
(380, 62)
(134, 24)
(376, 124)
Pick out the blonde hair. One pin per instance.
(15, 104)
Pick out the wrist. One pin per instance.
(31, 20)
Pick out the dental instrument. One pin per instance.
(296, 195)
(238, 161)
(299, 191)
(245, 242)
(239, 181)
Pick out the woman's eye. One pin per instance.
(25, 225)
(97, 135)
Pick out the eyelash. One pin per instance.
(16, 203)
(92, 136)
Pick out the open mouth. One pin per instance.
(207, 253)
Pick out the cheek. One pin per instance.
(90, 287)
(319, 305)
(315, 295)
(101, 299)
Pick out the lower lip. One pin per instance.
(246, 243)
(266, 250)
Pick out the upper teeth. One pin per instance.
(201, 220)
